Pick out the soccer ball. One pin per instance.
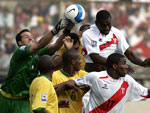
(75, 13)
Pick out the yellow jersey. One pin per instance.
(62, 49)
(73, 96)
(43, 95)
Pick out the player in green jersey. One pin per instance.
(14, 94)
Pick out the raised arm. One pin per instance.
(135, 59)
(48, 37)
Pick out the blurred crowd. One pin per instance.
(133, 19)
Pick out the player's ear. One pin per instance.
(73, 62)
(19, 43)
(114, 66)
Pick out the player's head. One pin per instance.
(71, 58)
(24, 37)
(76, 43)
(45, 64)
(103, 21)
(117, 62)
(83, 28)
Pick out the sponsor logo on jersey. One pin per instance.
(22, 48)
(93, 43)
(44, 97)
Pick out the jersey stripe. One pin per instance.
(103, 77)
(113, 101)
(114, 40)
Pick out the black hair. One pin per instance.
(69, 55)
(113, 59)
(45, 64)
(75, 37)
(83, 27)
(18, 36)
(102, 15)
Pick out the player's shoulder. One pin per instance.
(98, 74)
(115, 30)
(128, 78)
(55, 73)
(92, 30)
(41, 80)
(82, 72)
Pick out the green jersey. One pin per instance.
(23, 69)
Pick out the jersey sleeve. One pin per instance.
(41, 96)
(122, 45)
(43, 51)
(137, 91)
(85, 80)
(91, 46)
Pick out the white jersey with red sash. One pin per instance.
(109, 95)
(104, 45)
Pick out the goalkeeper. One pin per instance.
(14, 93)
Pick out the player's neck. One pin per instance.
(69, 71)
(112, 73)
(49, 75)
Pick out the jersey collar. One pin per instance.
(46, 77)
(67, 75)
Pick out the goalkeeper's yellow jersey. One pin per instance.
(73, 96)
(43, 95)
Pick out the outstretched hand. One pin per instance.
(63, 23)
(64, 103)
(146, 62)
(68, 42)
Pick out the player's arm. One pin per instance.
(97, 58)
(135, 59)
(48, 37)
(59, 88)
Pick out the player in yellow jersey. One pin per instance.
(83, 28)
(71, 61)
(43, 98)
(76, 45)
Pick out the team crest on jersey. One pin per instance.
(22, 48)
(43, 97)
(93, 43)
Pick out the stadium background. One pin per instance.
(132, 17)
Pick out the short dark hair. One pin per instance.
(69, 55)
(102, 15)
(113, 59)
(83, 27)
(18, 36)
(75, 37)
(45, 64)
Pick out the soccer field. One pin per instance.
(138, 107)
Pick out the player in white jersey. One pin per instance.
(111, 89)
(101, 40)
